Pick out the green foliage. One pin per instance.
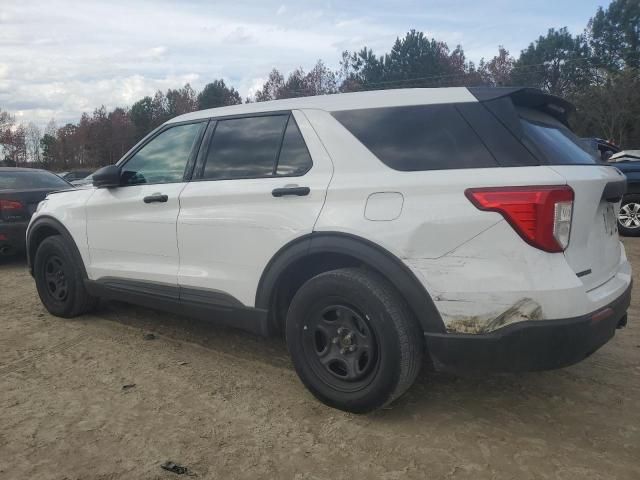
(48, 146)
(611, 110)
(414, 61)
(556, 62)
(614, 35)
(141, 115)
(217, 94)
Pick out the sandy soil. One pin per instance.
(229, 405)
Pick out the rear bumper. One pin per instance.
(530, 345)
(13, 236)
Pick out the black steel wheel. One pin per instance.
(354, 343)
(341, 346)
(60, 279)
(55, 278)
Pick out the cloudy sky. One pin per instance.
(59, 58)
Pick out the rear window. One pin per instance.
(423, 137)
(31, 180)
(553, 141)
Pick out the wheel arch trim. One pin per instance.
(46, 221)
(363, 250)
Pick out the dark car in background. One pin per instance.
(21, 189)
(604, 148)
(75, 175)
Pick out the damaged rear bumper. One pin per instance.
(529, 345)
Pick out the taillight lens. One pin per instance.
(11, 210)
(11, 205)
(540, 215)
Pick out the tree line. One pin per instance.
(598, 70)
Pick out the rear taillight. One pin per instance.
(11, 205)
(540, 215)
(11, 210)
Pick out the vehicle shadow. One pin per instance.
(13, 260)
(483, 396)
(208, 334)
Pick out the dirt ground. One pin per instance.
(228, 405)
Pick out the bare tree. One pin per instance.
(33, 143)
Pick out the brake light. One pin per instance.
(11, 205)
(540, 215)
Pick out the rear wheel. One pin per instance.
(629, 216)
(353, 341)
(59, 279)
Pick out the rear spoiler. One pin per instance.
(534, 98)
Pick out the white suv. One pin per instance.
(374, 229)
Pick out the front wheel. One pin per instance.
(59, 279)
(354, 343)
(629, 216)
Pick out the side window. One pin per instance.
(424, 137)
(164, 158)
(294, 157)
(244, 147)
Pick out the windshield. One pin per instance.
(22, 180)
(554, 141)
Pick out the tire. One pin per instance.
(59, 279)
(629, 216)
(354, 343)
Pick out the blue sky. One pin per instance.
(59, 58)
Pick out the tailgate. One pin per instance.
(594, 247)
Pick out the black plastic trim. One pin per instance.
(615, 190)
(44, 221)
(365, 251)
(209, 297)
(530, 345)
(212, 305)
(194, 155)
(295, 191)
(497, 139)
(584, 273)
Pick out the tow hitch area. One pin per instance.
(622, 322)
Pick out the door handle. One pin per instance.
(298, 191)
(156, 197)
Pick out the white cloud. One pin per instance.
(282, 9)
(157, 52)
(255, 85)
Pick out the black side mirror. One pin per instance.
(107, 177)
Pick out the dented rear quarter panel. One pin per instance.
(480, 274)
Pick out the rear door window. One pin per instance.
(245, 147)
(423, 137)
